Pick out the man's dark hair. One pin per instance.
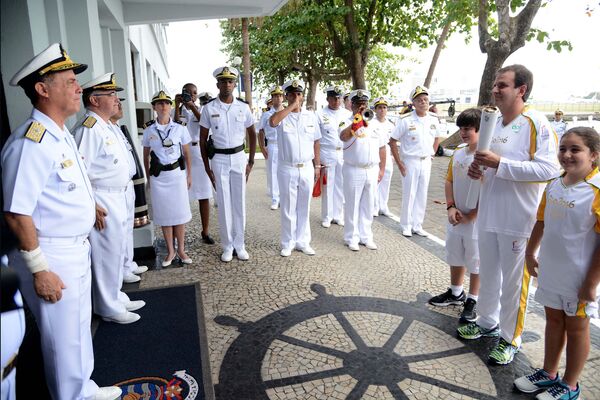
(470, 118)
(523, 76)
(187, 86)
(85, 97)
(28, 86)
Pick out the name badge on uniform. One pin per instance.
(66, 163)
(412, 128)
(168, 143)
(110, 142)
(215, 115)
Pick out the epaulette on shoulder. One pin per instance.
(432, 114)
(89, 122)
(181, 123)
(35, 132)
(242, 100)
(149, 123)
(408, 114)
(211, 100)
(461, 146)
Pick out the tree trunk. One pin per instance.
(246, 62)
(436, 54)
(493, 63)
(313, 82)
(357, 70)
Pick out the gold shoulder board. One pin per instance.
(89, 122)
(35, 132)
(181, 123)
(149, 123)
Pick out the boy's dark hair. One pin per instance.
(523, 76)
(471, 117)
(590, 138)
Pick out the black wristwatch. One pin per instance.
(251, 162)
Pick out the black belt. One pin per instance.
(170, 167)
(194, 143)
(233, 150)
(9, 367)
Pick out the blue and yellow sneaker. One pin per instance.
(559, 391)
(503, 353)
(534, 382)
(473, 331)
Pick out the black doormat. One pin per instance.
(159, 356)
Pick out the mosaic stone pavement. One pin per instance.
(343, 324)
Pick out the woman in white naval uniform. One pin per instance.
(201, 189)
(385, 128)
(107, 160)
(169, 141)
(270, 152)
(329, 119)
(49, 206)
(364, 166)
(298, 140)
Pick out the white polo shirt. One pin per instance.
(457, 175)
(270, 132)
(571, 216)
(296, 136)
(510, 195)
(227, 122)
(329, 122)
(155, 135)
(47, 180)
(363, 150)
(417, 134)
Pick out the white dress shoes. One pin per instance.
(326, 224)
(125, 318)
(370, 245)
(420, 232)
(140, 269)
(309, 251)
(274, 205)
(339, 222)
(131, 278)
(285, 252)
(108, 393)
(406, 232)
(353, 247)
(227, 255)
(243, 255)
(133, 305)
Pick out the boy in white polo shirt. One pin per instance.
(462, 253)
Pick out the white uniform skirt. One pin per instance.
(201, 187)
(170, 202)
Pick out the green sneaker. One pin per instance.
(503, 353)
(472, 331)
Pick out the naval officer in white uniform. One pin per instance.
(364, 166)
(110, 170)
(299, 167)
(229, 120)
(385, 128)
(419, 135)
(49, 205)
(329, 118)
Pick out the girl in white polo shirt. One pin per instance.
(568, 227)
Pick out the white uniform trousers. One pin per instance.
(504, 284)
(296, 186)
(272, 181)
(360, 186)
(230, 182)
(128, 264)
(332, 197)
(414, 192)
(383, 188)
(108, 254)
(65, 326)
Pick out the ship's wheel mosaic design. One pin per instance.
(358, 347)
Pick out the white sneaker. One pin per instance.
(227, 255)
(370, 245)
(274, 205)
(243, 255)
(421, 232)
(285, 252)
(353, 247)
(133, 305)
(108, 393)
(309, 251)
(406, 232)
(387, 213)
(125, 318)
(131, 278)
(326, 224)
(339, 222)
(140, 269)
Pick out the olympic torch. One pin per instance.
(489, 117)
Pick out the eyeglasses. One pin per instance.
(112, 94)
